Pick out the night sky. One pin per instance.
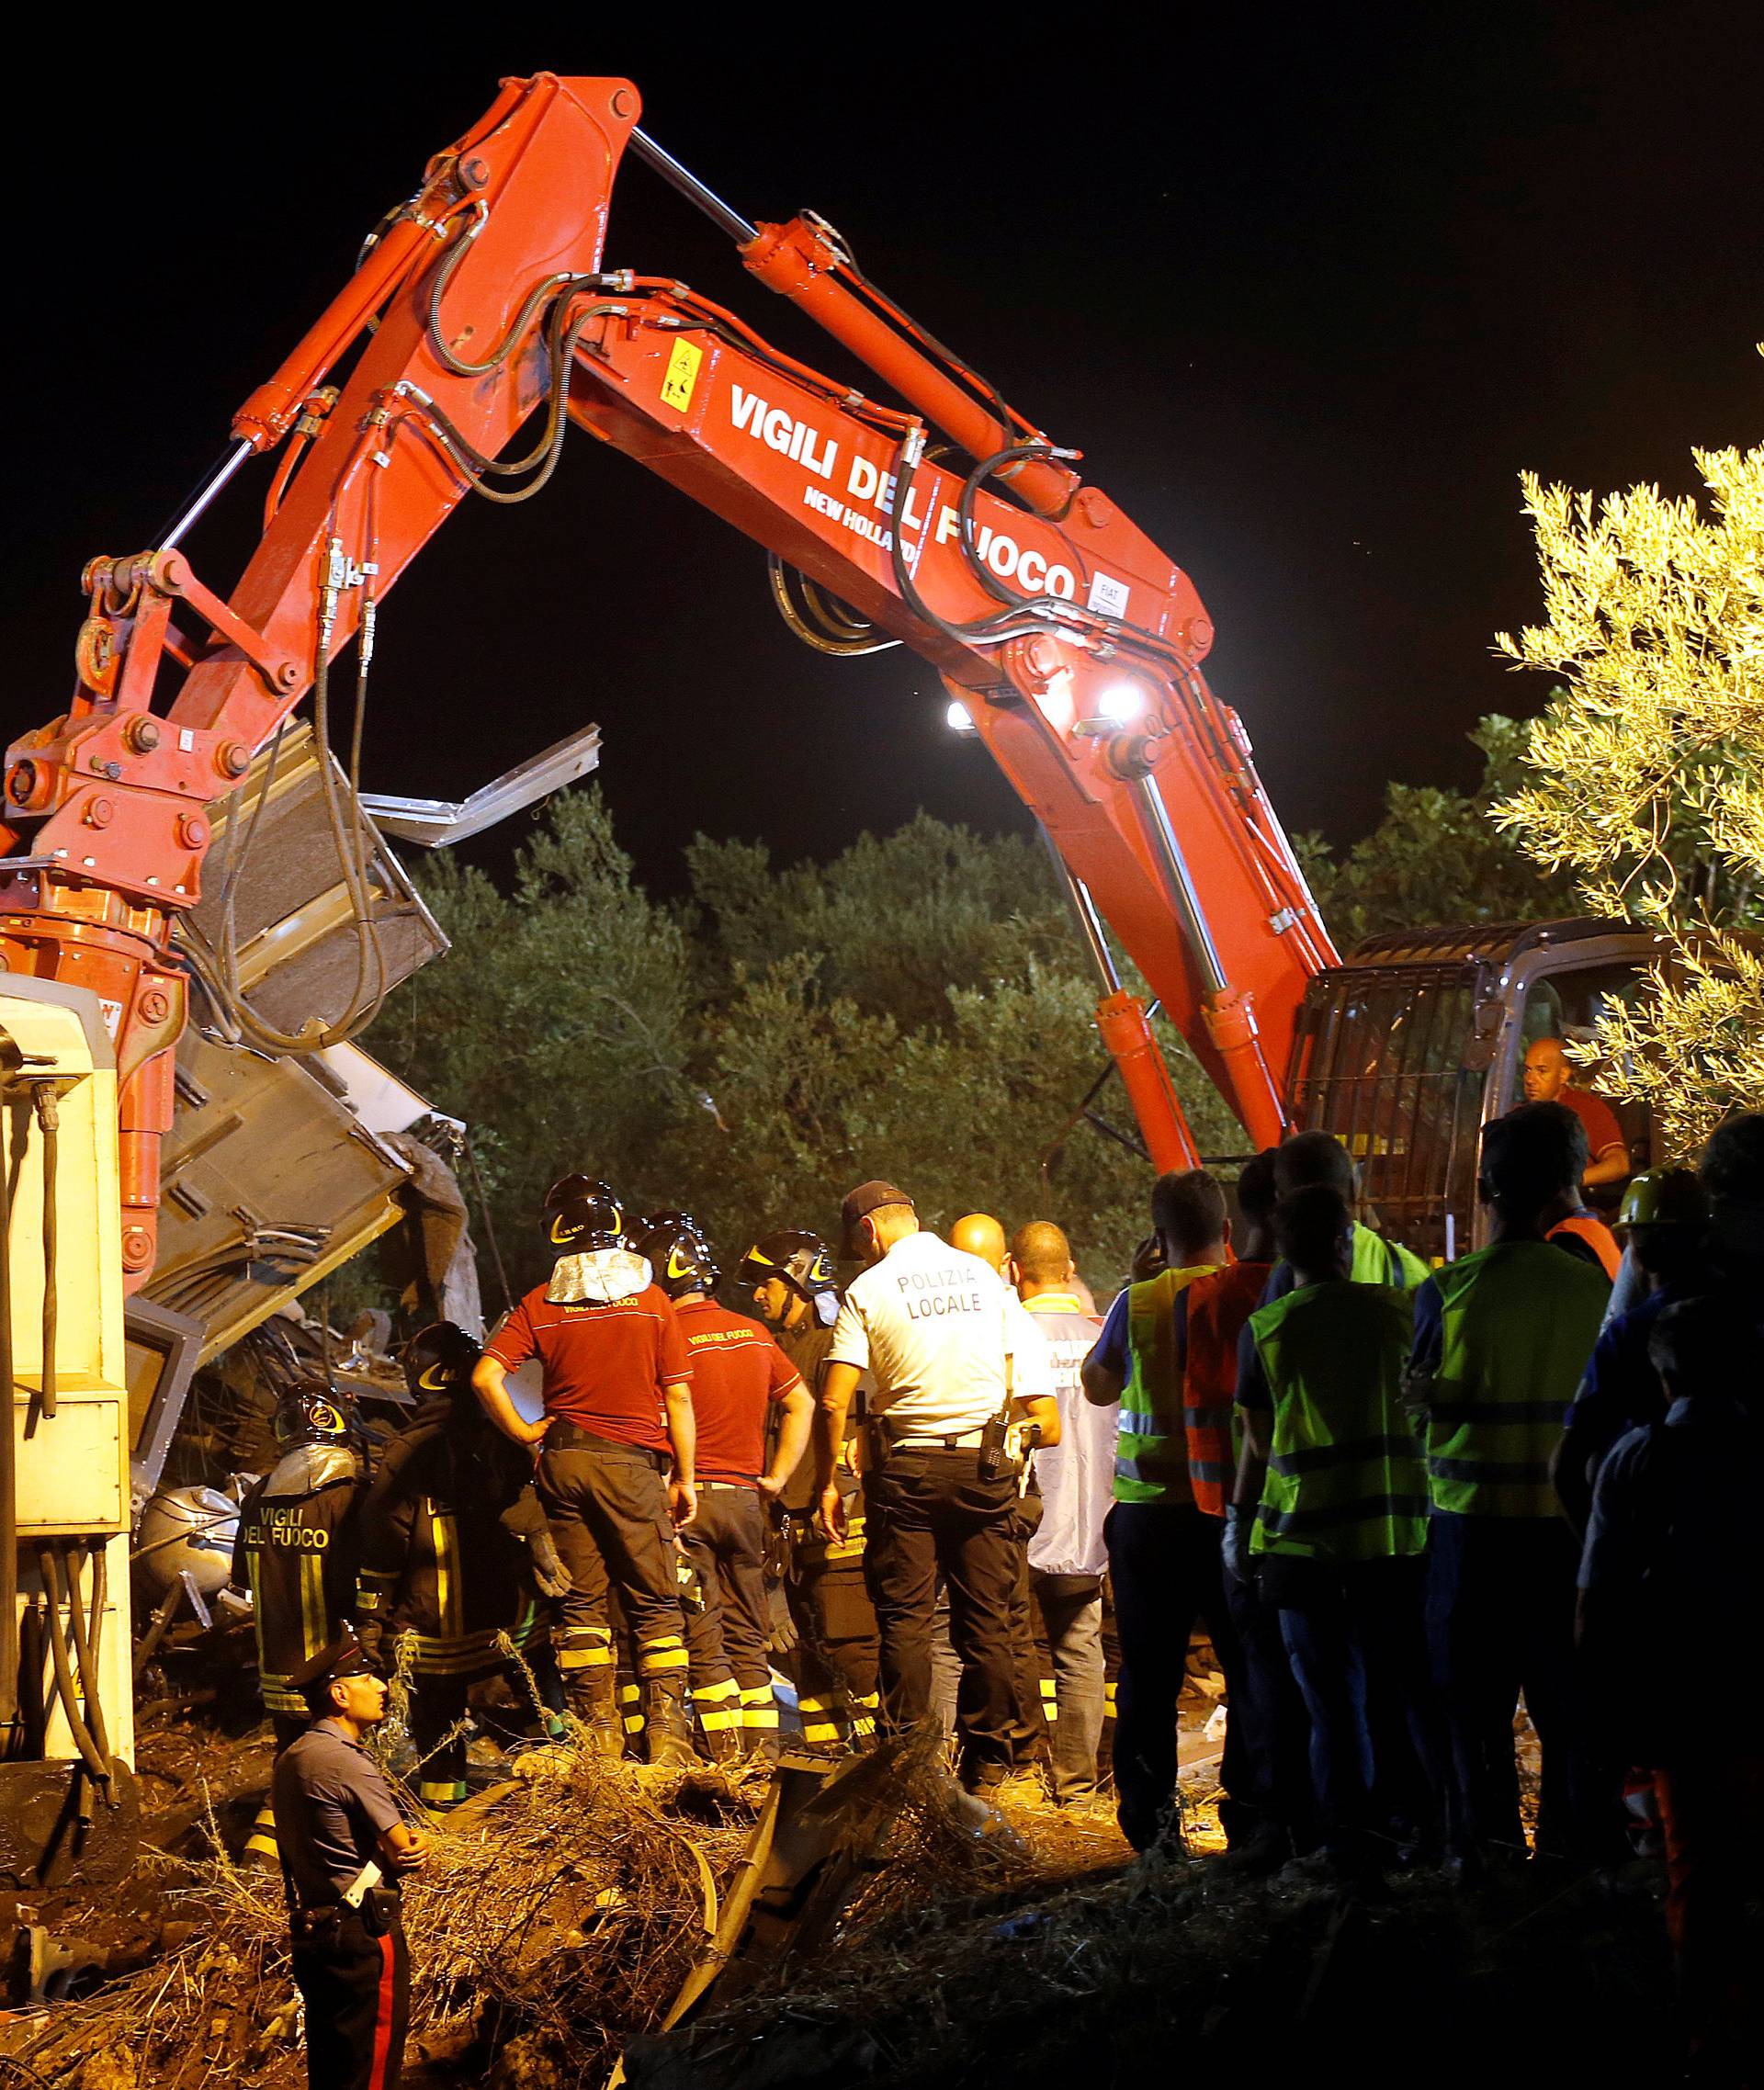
(1310, 291)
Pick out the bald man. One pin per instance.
(978, 1234)
(1076, 1482)
(1549, 1079)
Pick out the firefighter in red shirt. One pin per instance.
(737, 1373)
(617, 1387)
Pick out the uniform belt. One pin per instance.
(969, 1440)
(350, 1897)
(561, 1436)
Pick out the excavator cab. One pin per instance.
(1411, 1044)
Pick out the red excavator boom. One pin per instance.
(1073, 641)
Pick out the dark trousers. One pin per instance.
(837, 1655)
(1356, 1636)
(926, 1513)
(730, 1672)
(439, 1731)
(1501, 1598)
(608, 1510)
(1712, 1807)
(438, 1735)
(1268, 1711)
(1165, 1569)
(725, 1542)
(356, 1990)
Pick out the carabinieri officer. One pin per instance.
(956, 1364)
(344, 1845)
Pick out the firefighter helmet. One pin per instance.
(315, 1412)
(800, 1259)
(679, 1255)
(582, 1212)
(438, 1358)
(1664, 1197)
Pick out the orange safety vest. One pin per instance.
(1218, 1306)
(1598, 1236)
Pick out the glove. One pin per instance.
(371, 1637)
(549, 1571)
(782, 1637)
(1234, 1546)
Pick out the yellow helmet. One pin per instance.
(1664, 1197)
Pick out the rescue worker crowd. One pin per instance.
(1384, 1490)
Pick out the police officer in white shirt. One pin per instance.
(962, 1393)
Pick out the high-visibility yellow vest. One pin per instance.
(1520, 1320)
(1152, 1439)
(1380, 1261)
(1345, 1478)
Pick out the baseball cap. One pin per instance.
(866, 1198)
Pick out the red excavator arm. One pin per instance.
(1070, 639)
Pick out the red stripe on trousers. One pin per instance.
(383, 2018)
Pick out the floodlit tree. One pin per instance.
(1647, 767)
(917, 1009)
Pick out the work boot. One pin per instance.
(723, 1744)
(669, 1723)
(590, 1696)
(1262, 1852)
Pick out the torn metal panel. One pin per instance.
(438, 823)
(160, 1350)
(822, 1827)
(269, 1181)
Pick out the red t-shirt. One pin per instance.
(606, 1367)
(1597, 1115)
(737, 1371)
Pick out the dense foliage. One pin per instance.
(1645, 774)
(915, 1008)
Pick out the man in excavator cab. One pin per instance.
(1549, 1079)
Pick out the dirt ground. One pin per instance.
(562, 1915)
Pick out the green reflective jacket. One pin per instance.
(1520, 1322)
(1151, 1436)
(1345, 1477)
(1379, 1261)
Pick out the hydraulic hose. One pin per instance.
(96, 1764)
(817, 622)
(993, 630)
(86, 1637)
(982, 472)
